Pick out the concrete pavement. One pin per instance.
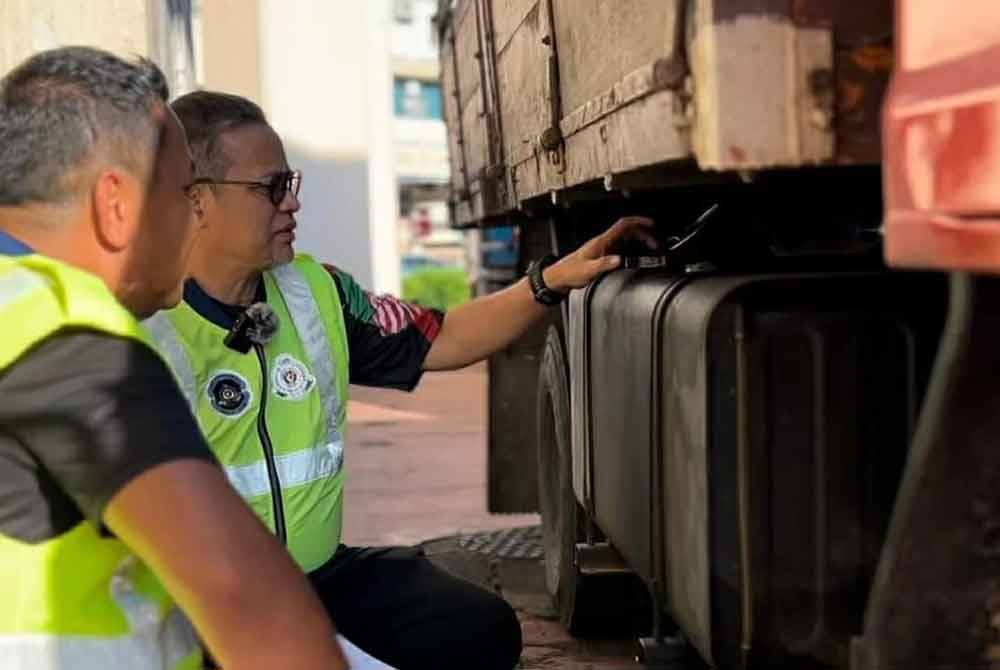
(417, 475)
(417, 462)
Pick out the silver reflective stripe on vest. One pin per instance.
(153, 643)
(309, 323)
(172, 642)
(295, 469)
(164, 333)
(17, 283)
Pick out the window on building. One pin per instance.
(417, 99)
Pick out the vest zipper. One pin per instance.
(265, 440)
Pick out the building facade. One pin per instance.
(320, 69)
(352, 88)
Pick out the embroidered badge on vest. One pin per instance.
(229, 392)
(291, 378)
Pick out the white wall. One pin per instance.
(383, 197)
(326, 86)
(414, 40)
(30, 26)
(421, 150)
(124, 27)
(227, 52)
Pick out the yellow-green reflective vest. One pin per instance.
(79, 601)
(274, 416)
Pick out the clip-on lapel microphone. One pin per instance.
(257, 324)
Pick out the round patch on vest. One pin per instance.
(291, 378)
(229, 392)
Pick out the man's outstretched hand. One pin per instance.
(595, 257)
(491, 322)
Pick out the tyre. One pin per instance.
(606, 605)
(561, 515)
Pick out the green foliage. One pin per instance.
(441, 288)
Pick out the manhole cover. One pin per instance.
(510, 543)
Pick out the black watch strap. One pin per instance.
(543, 294)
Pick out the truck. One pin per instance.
(760, 445)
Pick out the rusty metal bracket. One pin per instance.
(494, 186)
(551, 138)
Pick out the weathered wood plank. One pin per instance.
(466, 48)
(755, 99)
(523, 82)
(450, 95)
(638, 135)
(643, 134)
(508, 16)
(474, 128)
(645, 80)
(600, 41)
(536, 176)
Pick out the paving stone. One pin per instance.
(417, 475)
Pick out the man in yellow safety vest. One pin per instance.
(115, 519)
(265, 344)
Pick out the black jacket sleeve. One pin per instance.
(87, 413)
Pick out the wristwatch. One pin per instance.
(543, 294)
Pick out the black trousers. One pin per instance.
(399, 607)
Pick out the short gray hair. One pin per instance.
(61, 108)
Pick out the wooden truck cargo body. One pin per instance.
(546, 95)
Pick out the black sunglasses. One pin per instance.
(276, 187)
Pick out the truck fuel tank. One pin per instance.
(742, 439)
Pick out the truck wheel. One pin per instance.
(606, 605)
(586, 606)
(561, 514)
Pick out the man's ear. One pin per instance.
(117, 202)
(204, 204)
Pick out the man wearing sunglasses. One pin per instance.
(265, 344)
